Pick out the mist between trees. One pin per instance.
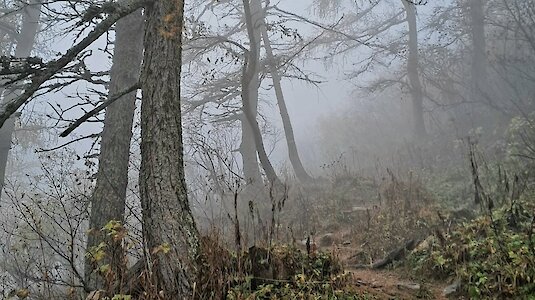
(139, 135)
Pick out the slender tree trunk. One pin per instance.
(250, 83)
(6, 133)
(479, 54)
(412, 71)
(251, 171)
(109, 195)
(168, 225)
(25, 42)
(293, 153)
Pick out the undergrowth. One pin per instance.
(280, 272)
(300, 286)
(493, 255)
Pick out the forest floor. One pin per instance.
(367, 232)
(394, 285)
(355, 231)
(389, 283)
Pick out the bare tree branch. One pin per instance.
(98, 109)
(123, 8)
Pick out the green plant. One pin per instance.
(492, 257)
(294, 275)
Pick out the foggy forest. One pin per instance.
(267, 149)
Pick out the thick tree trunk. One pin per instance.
(297, 165)
(109, 195)
(413, 73)
(250, 83)
(25, 42)
(168, 225)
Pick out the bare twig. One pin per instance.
(123, 8)
(98, 109)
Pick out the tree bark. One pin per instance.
(25, 42)
(419, 130)
(293, 153)
(109, 195)
(168, 226)
(250, 83)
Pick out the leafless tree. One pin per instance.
(24, 44)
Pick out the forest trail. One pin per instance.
(384, 283)
(393, 285)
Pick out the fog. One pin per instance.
(137, 134)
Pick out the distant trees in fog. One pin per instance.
(208, 73)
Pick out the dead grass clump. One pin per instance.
(405, 212)
(217, 266)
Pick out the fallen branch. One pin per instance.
(396, 254)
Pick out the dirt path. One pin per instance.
(384, 283)
(391, 285)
